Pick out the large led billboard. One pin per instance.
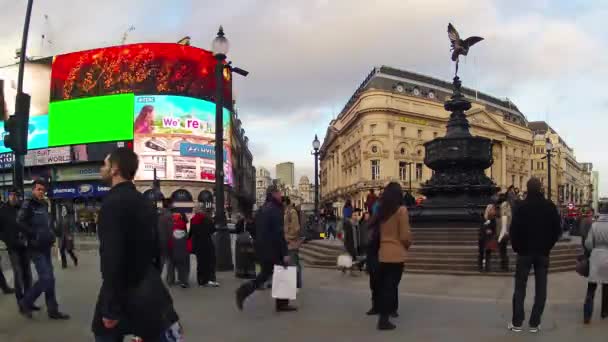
(91, 120)
(176, 136)
(141, 69)
(36, 82)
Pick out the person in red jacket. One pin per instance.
(179, 255)
(202, 228)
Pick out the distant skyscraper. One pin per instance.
(286, 173)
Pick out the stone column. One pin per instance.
(503, 167)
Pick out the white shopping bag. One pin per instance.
(284, 282)
(345, 261)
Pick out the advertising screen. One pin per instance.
(141, 69)
(93, 119)
(38, 130)
(176, 136)
(36, 83)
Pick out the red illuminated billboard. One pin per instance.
(142, 69)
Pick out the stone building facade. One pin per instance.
(379, 136)
(262, 181)
(571, 181)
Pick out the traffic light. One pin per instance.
(15, 127)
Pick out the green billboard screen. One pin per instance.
(92, 119)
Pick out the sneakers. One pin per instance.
(514, 328)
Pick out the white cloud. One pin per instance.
(306, 57)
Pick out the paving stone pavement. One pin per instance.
(332, 307)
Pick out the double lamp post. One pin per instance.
(220, 47)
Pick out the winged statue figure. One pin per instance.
(460, 46)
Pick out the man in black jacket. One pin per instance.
(535, 228)
(16, 243)
(129, 256)
(34, 218)
(270, 247)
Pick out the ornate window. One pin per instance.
(402, 170)
(418, 171)
(375, 169)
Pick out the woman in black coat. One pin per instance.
(202, 228)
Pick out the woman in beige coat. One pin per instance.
(395, 239)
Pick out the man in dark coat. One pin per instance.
(270, 247)
(535, 228)
(33, 216)
(129, 257)
(201, 232)
(14, 238)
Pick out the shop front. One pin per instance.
(79, 188)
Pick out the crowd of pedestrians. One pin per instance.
(137, 242)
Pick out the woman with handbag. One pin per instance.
(487, 239)
(596, 247)
(393, 240)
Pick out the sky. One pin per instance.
(307, 57)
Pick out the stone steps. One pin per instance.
(442, 251)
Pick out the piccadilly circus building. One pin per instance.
(156, 98)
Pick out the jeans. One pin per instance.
(183, 271)
(372, 268)
(45, 283)
(331, 230)
(588, 307)
(3, 284)
(504, 255)
(205, 266)
(267, 269)
(389, 277)
(64, 260)
(484, 254)
(522, 271)
(22, 271)
(294, 258)
(173, 334)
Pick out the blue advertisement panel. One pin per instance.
(198, 150)
(37, 135)
(76, 190)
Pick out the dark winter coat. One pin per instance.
(35, 219)
(270, 244)
(13, 234)
(535, 227)
(128, 247)
(202, 228)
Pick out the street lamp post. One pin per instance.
(549, 148)
(316, 144)
(220, 47)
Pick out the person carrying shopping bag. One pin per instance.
(596, 247)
